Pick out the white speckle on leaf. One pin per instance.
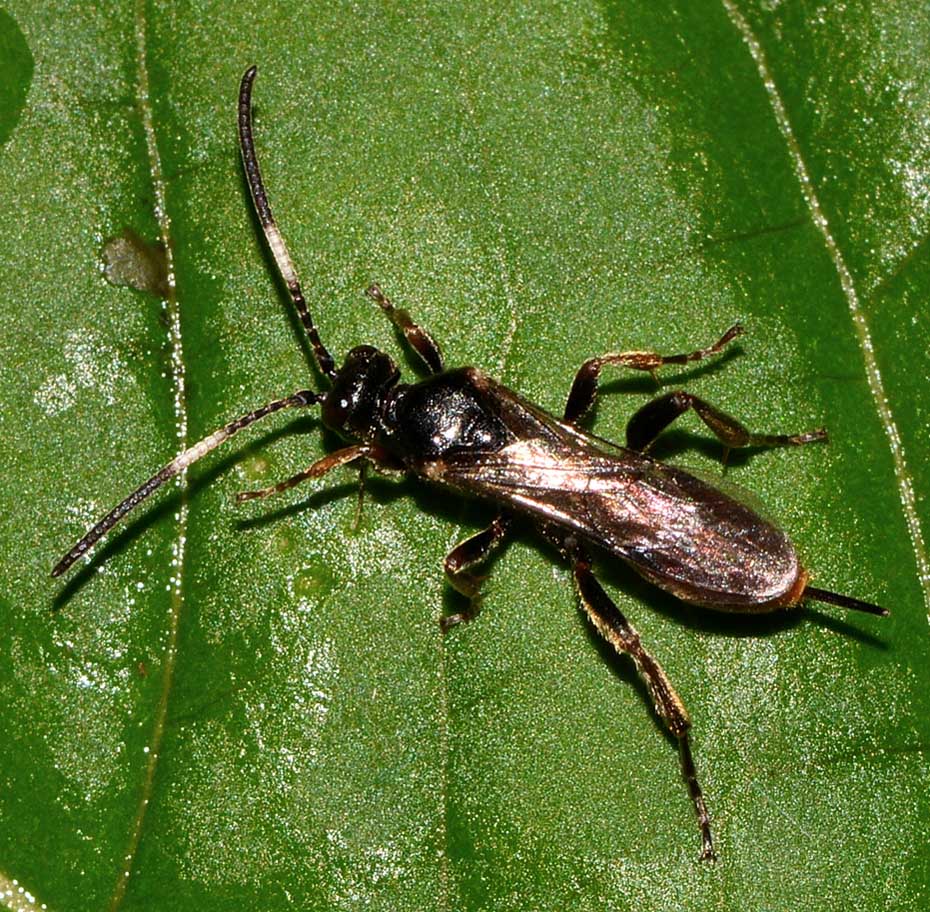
(86, 682)
(354, 885)
(376, 554)
(92, 365)
(238, 809)
(13, 895)
(83, 513)
(56, 395)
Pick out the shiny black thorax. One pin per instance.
(448, 414)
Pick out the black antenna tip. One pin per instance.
(844, 601)
(245, 85)
(63, 564)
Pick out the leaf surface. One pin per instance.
(256, 706)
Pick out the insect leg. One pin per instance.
(383, 463)
(583, 393)
(320, 467)
(614, 627)
(270, 228)
(417, 337)
(466, 555)
(362, 478)
(655, 416)
(175, 467)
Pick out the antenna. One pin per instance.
(273, 234)
(175, 467)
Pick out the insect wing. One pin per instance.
(680, 532)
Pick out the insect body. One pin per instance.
(465, 431)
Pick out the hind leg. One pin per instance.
(655, 416)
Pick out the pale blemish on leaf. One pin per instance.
(355, 884)
(92, 365)
(14, 896)
(85, 687)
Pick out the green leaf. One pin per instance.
(243, 708)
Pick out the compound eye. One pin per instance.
(336, 408)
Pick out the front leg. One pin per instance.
(614, 627)
(466, 555)
(583, 393)
(415, 335)
(363, 451)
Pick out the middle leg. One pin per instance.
(466, 555)
(583, 393)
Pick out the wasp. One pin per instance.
(462, 430)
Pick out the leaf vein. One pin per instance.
(860, 324)
(176, 598)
